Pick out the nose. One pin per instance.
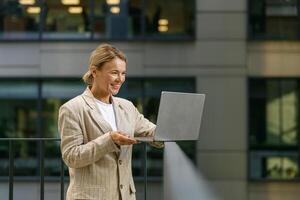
(120, 78)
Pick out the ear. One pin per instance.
(93, 70)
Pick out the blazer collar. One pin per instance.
(90, 101)
(98, 118)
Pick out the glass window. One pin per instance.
(274, 165)
(96, 19)
(54, 94)
(135, 17)
(169, 17)
(66, 19)
(99, 23)
(18, 102)
(273, 128)
(19, 19)
(274, 113)
(21, 117)
(18, 119)
(274, 19)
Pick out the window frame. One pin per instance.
(270, 149)
(252, 37)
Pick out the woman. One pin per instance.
(97, 132)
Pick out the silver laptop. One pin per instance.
(179, 117)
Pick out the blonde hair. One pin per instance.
(101, 55)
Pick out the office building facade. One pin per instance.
(242, 54)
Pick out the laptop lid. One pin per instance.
(179, 116)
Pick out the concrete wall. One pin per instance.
(269, 59)
(222, 147)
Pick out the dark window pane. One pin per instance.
(273, 113)
(19, 19)
(54, 94)
(136, 18)
(169, 17)
(100, 11)
(273, 129)
(18, 101)
(66, 20)
(274, 19)
(19, 117)
(111, 19)
(274, 165)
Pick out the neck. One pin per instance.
(106, 98)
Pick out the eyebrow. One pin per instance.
(115, 70)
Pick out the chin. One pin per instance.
(114, 92)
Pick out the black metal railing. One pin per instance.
(41, 147)
(41, 157)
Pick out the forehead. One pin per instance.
(115, 64)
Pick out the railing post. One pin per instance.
(11, 170)
(41, 158)
(145, 170)
(62, 185)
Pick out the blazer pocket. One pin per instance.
(91, 193)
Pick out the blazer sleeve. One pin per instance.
(75, 153)
(144, 128)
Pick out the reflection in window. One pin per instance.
(169, 17)
(274, 112)
(19, 19)
(135, 15)
(96, 19)
(99, 24)
(282, 167)
(274, 19)
(18, 118)
(54, 94)
(66, 19)
(274, 129)
(18, 102)
(274, 165)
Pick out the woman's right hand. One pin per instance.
(121, 138)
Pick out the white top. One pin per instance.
(108, 113)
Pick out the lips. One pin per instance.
(116, 87)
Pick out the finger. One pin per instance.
(130, 141)
(124, 134)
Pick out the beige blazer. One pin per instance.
(98, 168)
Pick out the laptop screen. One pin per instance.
(179, 116)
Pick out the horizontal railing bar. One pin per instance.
(29, 139)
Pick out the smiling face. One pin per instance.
(108, 79)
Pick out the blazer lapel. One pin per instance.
(100, 121)
(94, 112)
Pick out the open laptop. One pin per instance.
(179, 117)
